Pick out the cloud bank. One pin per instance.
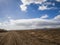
(36, 23)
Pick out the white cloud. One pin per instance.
(45, 7)
(57, 17)
(44, 16)
(58, 0)
(42, 7)
(28, 2)
(32, 23)
(23, 7)
(48, 3)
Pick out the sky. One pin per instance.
(29, 14)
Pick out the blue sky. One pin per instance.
(28, 9)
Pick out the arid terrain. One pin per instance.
(30, 37)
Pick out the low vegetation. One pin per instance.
(3, 30)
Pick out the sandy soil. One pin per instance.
(37, 37)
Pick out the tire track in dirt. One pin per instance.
(18, 39)
(2, 41)
(12, 38)
(9, 39)
(2, 35)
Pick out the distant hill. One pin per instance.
(3, 30)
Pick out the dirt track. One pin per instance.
(29, 38)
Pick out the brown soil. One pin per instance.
(30, 37)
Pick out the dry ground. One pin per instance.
(30, 37)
